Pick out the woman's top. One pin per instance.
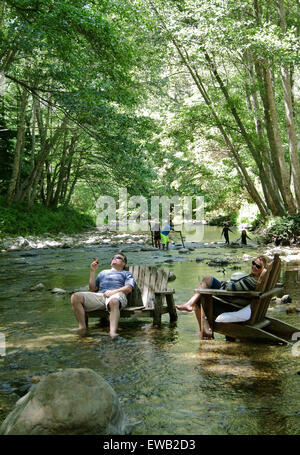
(246, 283)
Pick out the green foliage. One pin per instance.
(283, 230)
(18, 220)
(231, 218)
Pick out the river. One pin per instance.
(167, 379)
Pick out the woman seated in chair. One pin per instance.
(246, 283)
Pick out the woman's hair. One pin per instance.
(264, 260)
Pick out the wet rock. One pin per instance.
(286, 299)
(276, 300)
(172, 276)
(217, 262)
(148, 248)
(38, 287)
(73, 401)
(199, 259)
(184, 250)
(278, 308)
(291, 309)
(58, 291)
(53, 244)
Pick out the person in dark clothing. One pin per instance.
(225, 231)
(243, 238)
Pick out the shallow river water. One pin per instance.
(167, 380)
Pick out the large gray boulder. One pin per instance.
(73, 401)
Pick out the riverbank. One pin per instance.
(138, 242)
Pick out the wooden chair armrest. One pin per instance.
(271, 292)
(224, 293)
(166, 292)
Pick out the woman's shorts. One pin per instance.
(214, 283)
(164, 239)
(97, 300)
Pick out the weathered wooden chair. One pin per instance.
(147, 298)
(259, 327)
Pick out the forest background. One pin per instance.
(166, 98)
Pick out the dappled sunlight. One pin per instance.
(156, 372)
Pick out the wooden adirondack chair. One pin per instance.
(147, 298)
(260, 327)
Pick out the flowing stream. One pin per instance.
(167, 379)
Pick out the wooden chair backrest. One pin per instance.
(268, 282)
(148, 281)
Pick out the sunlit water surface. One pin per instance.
(167, 379)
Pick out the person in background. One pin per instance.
(164, 236)
(107, 291)
(156, 234)
(225, 231)
(243, 238)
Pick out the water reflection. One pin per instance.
(166, 378)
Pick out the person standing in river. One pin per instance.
(225, 231)
(243, 238)
(164, 235)
(107, 291)
(246, 283)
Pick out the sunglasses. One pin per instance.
(256, 265)
(119, 257)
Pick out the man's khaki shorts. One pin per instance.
(97, 300)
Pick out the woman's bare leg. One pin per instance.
(190, 304)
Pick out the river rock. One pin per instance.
(58, 291)
(291, 309)
(218, 261)
(73, 401)
(199, 259)
(286, 299)
(184, 250)
(172, 276)
(38, 287)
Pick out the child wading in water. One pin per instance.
(225, 231)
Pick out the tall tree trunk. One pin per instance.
(232, 150)
(76, 176)
(277, 150)
(270, 189)
(12, 188)
(230, 147)
(272, 127)
(30, 186)
(289, 113)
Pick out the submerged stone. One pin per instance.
(73, 401)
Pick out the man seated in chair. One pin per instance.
(246, 283)
(107, 291)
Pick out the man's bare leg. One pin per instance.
(114, 317)
(77, 301)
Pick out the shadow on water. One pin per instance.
(166, 378)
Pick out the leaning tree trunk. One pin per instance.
(270, 189)
(12, 188)
(277, 150)
(289, 113)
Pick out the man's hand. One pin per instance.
(109, 293)
(94, 265)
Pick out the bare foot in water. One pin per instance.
(184, 308)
